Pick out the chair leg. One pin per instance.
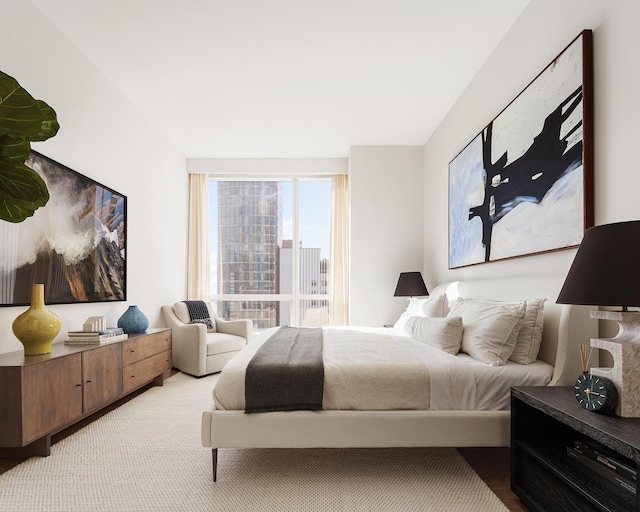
(214, 460)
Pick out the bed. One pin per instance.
(455, 423)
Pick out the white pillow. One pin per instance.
(488, 328)
(442, 333)
(530, 336)
(430, 308)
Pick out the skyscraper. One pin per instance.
(249, 233)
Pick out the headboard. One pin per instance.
(565, 326)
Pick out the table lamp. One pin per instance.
(410, 284)
(606, 272)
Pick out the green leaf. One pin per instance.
(22, 119)
(14, 149)
(49, 126)
(20, 115)
(22, 191)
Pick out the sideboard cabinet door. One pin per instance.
(101, 376)
(51, 395)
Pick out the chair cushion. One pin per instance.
(217, 343)
(182, 312)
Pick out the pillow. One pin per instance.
(488, 328)
(430, 307)
(530, 336)
(442, 333)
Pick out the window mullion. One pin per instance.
(295, 303)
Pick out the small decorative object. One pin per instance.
(597, 394)
(133, 320)
(37, 326)
(605, 272)
(524, 185)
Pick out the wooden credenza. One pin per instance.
(42, 395)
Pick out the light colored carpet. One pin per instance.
(146, 456)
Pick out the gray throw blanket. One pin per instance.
(287, 372)
(199, 312)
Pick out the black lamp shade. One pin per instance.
(410, 284)
(606, 269)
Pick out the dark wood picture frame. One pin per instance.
(75, 244)
(524, 185)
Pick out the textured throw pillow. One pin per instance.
(488, 328)
(430, 308)
(530, 336)
(442, 333)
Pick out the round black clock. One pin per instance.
(596, 393)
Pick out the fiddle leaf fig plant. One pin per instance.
(23, 119)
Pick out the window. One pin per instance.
(266, 236)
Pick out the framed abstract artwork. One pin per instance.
(75, 245)
(524, 185)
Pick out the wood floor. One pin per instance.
(491, 464)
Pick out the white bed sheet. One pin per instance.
(456, 382)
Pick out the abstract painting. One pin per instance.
(524, 185)
(75, 244)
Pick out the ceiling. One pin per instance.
(287, 78)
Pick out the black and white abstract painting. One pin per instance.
(524, 184)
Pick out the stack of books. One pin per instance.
(607, 463)
(108, 335)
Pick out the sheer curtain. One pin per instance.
(339, 251)
(198, 239)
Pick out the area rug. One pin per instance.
(146, 456)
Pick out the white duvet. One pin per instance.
(393, 371)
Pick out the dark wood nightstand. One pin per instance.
(545, 420)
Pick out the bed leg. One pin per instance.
(214, 460)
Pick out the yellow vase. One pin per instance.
(37, 326)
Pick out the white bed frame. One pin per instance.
(564, 328)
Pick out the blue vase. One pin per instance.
(133, 320)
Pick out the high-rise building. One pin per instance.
(249, 233)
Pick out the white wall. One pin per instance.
(386, 201)
(539, 35)
(104, 137)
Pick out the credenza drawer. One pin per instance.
(139, 348)
(141, 372)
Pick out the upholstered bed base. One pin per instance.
(565, 328)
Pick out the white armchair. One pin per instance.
(196, 350)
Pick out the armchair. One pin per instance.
(198, 351)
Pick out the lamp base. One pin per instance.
(628, 324)
(625, 350)
(625, 374)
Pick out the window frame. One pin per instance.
(296, 298)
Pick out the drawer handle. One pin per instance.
(88, 381)
(78, 385)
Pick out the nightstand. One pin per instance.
(545, 420)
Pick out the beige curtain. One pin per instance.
(198, 275)
(339, 252)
